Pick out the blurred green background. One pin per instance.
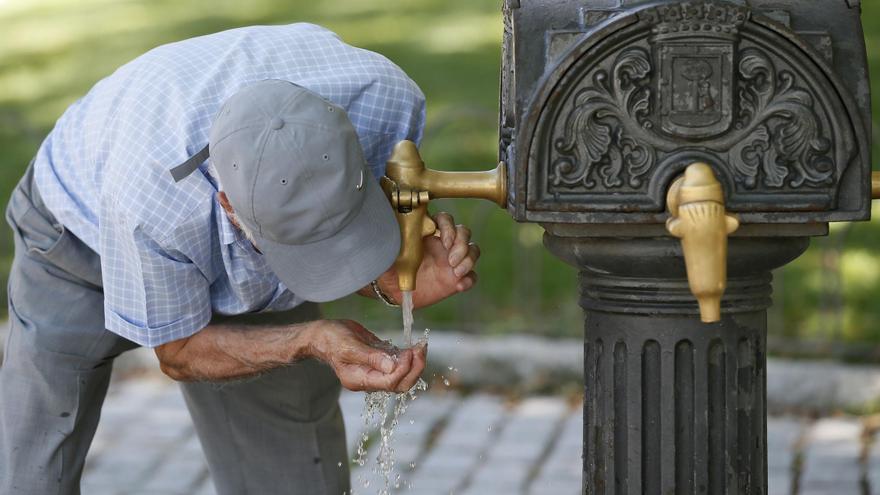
(53, 51)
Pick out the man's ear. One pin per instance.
(224, 202)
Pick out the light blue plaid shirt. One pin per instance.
(169, 255)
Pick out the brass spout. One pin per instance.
(410, 185)
(406, 168)
(700, 220)
(875, 185)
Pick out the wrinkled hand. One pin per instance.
(354, 354)
(447, 268)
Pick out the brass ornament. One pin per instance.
(699, 218)
(410, 185)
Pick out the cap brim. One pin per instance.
(345, 262)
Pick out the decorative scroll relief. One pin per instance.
(788, 141)
(596, 142)
(695, 80)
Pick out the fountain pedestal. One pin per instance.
(604, 104)
(673, 405)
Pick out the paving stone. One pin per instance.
(832, 489)
(205, 488)
(431, 484)
(821, 386)
(459, 449)
(179, 472)
(564, 466)
(779, 483)
(122, 467)
(831, 456)
(557, 486)
(146, 444)
(417, 423)
(783, 434)
(192, 445)
(351, 404)
(517, 451)
(873, 466)
(498, 486)
(512, 475)
(448, 460)
(91, 488)
(473, 422)
(409, 439)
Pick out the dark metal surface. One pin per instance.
(603, 104)
(672, 405)
(605, 101)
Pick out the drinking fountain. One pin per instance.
(675, 153)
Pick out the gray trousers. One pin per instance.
(281, 433)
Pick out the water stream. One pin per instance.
(382, 413)
(407, 307)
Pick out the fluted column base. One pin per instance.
(673, 405)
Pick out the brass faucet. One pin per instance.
(700, 220)
(875, 185)
(410, 185)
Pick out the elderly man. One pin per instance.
(118, 245)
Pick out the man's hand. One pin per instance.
(359, 361)
(227, 352)
(447, 268)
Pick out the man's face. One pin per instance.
(233, 219)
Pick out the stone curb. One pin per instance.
(529, 364)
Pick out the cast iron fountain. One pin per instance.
(675, 153)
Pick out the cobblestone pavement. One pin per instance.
(479, 444)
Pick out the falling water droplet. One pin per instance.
(407, 308)
(383, 411)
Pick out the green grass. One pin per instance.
(53, 51)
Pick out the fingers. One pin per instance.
(371, 358)
(418, 366)
(467, 264)
(410, 366)
(446, 228)
(459, 248)
(373, 380)
(467, 282)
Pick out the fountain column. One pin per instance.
(604, 104)
(673, 405)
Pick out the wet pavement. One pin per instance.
(474, 444)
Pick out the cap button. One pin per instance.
(276, 123)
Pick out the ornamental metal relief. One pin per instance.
(695, 76)
(696, 96)
(597, 143)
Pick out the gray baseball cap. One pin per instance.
(294, 171)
